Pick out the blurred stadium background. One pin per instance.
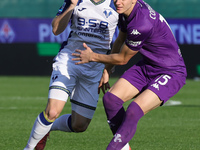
(28, 46)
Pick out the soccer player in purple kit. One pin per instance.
(151, 82)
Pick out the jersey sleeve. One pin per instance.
(63, 7)
(138, 33)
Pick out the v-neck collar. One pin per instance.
(97, 2)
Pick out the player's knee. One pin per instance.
(52, 114)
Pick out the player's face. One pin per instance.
(124, 6)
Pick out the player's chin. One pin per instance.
(119, 11)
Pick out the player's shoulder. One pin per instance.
(145, 17)
(140, 25)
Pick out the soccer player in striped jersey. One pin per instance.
(152, 81)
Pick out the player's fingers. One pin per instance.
(78, 50)
(76, 54)
(103, 88)
(99, 90)
(78, 63)
(107, 86)
(85, 45)
(76, 59)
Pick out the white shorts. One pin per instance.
(80, 82)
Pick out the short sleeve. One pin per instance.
(63, 7)
(138, 33)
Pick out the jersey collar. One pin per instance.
(97, 2)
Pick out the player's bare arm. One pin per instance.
(120, 54)
(109, 68)
(116, 49)
(60, 22)
(87, 55)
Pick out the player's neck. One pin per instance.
(96, 1)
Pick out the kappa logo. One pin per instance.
(135, 32)
(107, 13)
(6, 33)
(118, 138)
(156, 86)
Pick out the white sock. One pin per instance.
(61, 123)
(39, 130)
(126, 147)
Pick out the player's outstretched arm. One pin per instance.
(87, 55)
(60, 22)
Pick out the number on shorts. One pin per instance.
(165, 77)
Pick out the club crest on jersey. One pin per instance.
(107, 13)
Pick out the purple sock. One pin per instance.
(114, 111)
(128, 127)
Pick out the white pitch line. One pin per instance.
(172, 103)
(22, 98)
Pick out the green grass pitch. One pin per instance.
(172, 127)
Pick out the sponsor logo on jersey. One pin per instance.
(107, 13)
(6, 33)
(134, 43)
(90, 35)
(81, 9)
(135, 32)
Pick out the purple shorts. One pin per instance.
(164, 84)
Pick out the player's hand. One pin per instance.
(104, 85)
(83, 56)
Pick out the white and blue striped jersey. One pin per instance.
(92, 23)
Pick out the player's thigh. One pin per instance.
(148, 101)
(159, 90)
(124, 90)
(63, 78)
(84, 99)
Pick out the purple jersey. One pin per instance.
(148, 32)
